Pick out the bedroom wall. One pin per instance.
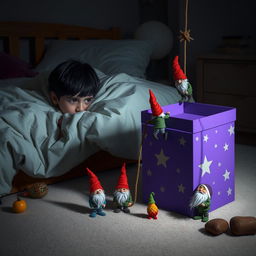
(209, 21)
(96, 13)
(126, 14)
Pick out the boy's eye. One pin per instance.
(87, 100)
(74, 100)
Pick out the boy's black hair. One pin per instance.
(74, 78)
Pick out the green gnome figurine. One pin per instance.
(152, 209)
(159, 116)
(201, 201)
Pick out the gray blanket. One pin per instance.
(30, 135)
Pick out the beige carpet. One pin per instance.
(59, 223)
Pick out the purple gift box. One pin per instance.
(199, 148)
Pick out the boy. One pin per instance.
(72, 86)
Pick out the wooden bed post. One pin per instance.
(116, 33)
(14, 45)
(39, 49)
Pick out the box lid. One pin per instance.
(194, 117)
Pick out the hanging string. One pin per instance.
(185, 36)
(139, 165)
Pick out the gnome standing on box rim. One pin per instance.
(159, 116)
(122, 197)
(97, 199)
(201, 201)
(181, 82)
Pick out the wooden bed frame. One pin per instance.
(37, 33)
(12, 32)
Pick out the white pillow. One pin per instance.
(109, 56)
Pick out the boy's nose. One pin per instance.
(80, 107)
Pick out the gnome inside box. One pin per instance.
(198, 149)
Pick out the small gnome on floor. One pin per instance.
(97, 200)
(122, 197)
(152, 209)
(181, 82)
(201, 201)
(159, 116)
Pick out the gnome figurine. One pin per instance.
(97, 200)
(122, 197)
(201, 201)
(152, 209)
(159, 116)
(181, 82)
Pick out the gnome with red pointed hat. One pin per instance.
(159, 116)
(97, 200)
(181, 82)
(122, 197)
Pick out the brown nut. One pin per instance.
(216, 226)
(38, 190)
(243, 225)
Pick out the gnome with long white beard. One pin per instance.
(181, 82)
(97, 200)
(201, 201)
(122, 197)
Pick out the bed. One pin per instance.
(103, 137)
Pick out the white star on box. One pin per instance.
(226, 175)
(149, 173)
(215, 145)
(205, 166)
(182, 141)
(225, 147)
(197, 138)
(162, 158)
(181, 188)
(219, 164)
(231, 130)
(162, 189)
(229, 191)
(206, 138)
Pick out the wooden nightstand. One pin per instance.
(229, 80)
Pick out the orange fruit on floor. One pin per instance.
(19, 206)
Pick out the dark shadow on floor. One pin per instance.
(140, 215)
(178, 216)
(71, 206)
(7, 209)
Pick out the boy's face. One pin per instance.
(72, 104)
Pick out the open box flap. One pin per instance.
(194, 117)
